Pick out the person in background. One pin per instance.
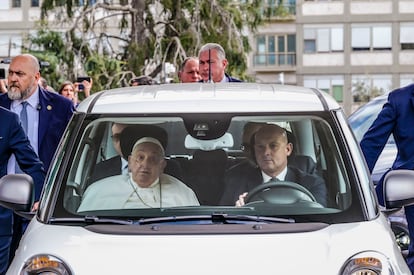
(71, 90)
(146, 186)
(212, 55)
(3, 86)
(396, 118)
(189, 70)
(67, 89)
(47, 117)
(43, 84)
(142, 80)
(116, 165)
(270, 149)
(84, 87)
(14, 141)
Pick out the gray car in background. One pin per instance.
(360, 121)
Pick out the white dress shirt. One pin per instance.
(32, 124)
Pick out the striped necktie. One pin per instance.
(23, 116)
(23, 121)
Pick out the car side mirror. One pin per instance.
(17, 193)
(398, 188)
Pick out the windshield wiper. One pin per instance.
(91, 220)
(216, 218)
(225, 218)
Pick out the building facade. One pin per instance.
(351, 49)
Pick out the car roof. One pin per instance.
(208, 97)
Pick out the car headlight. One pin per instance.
(45, 264)
(367, 263)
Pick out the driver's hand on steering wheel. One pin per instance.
(240, 201)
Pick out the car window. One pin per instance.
(203, 155)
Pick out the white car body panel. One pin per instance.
(325, 252)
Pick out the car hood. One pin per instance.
(318, 252)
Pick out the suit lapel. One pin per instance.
(45, 113)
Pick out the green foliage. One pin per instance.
(165, 31)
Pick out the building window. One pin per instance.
(371, 38)
(323, 39)
(406, 79)
(333, 85)
(365, 87)
(274, 50)
(35, 3)
(16, 3)
(279, 8)
(407, 36)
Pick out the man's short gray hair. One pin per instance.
(213, 46)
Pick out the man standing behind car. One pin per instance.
(213, 64)
(189, 70)
(14, 140)
(47, 116)
(396, 117)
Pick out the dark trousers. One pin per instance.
(5, 242)
(19, 226)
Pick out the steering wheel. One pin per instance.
(281, 192)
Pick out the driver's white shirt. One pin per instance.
(281, 176)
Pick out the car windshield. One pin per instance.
(186, 165)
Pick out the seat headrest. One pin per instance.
(225, 141)
(134, 132)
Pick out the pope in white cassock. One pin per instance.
(146, 186)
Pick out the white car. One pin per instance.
(282, 229)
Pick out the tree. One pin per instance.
(148, 34)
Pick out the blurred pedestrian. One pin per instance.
(44, 85)
(67, 89)
(3, 86)
(47, 117)
(189, 70)
(396, 117)
(142, 80)
(84, 86)
(71, 90)
(213, 57)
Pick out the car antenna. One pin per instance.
(209, 67)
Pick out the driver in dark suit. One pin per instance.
(271, 150)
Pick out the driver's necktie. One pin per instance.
(274, 179)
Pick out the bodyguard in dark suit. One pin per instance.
(13, 140)
(213, 64)
(47, 114)
(54, 111)
(271, 151)
(397, 118)
(116, 165)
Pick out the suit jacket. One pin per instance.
(232, 79)
(397, 118)
(107, 168)
(13, 140)
(55, 112)
(244, 177)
